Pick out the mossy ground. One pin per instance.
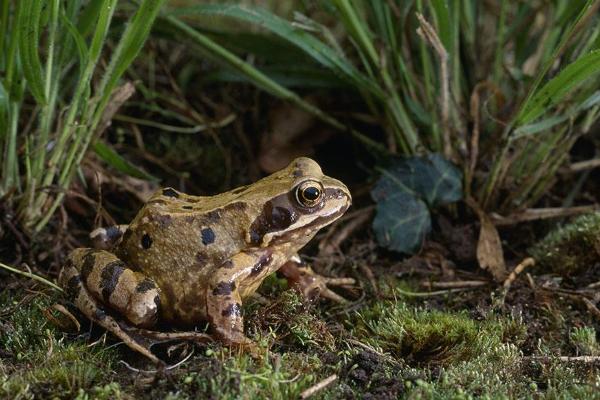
(392, 347)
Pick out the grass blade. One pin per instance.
(28, 22)
(113, 159)
(129, 46)
(557, 88)
(220, 54)
(313, 47)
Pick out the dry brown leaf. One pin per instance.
(489, 246)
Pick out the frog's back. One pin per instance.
(177, 239)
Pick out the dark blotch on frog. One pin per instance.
(263, 261)
(144, 286)
(232, 309)
(208, 236)
(146, 241)
(223, 288)
(169, 192)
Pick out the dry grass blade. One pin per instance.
(32, 276)
(534, 214)
(428, 33)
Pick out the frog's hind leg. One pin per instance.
(108, 280)
(98, 282)
(71, 280)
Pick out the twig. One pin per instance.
(528, 262)
(366, 347)
(318, 387)
(331, 245)
(32, 276)
(455, 284)
(531, 282)
(430, 294)
(585, 359)
(591, 307)
(368, 272)
(584, 165)
(154, 371)
(594, 285)
(532, 214)
(474, 146)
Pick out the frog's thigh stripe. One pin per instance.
(70, 278)
(108, 279)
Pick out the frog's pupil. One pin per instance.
(311, 193)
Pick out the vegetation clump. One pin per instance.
(422, 336)
(572, 248)
(37, 362)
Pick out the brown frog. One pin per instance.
(187, 259)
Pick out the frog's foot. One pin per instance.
(237, 340)
(312, 285)
(161, 337)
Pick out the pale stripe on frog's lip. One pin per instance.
(322, 220)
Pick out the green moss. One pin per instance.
(41, 362)
(226, 375)
(294, 321)
(418, 335)
(570, 248)
(584, 341)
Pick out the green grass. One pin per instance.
(533, 84)
(39, 361)
(50, 112)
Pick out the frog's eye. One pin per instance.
(309, 193)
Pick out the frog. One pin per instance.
(185, 260)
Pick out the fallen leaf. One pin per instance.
(489, 246)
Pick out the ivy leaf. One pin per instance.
(406, 192)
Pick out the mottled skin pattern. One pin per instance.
(187, 259)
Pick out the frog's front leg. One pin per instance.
(230, 282)
(107, 238)
(300, 275)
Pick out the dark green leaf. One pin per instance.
(401, 222)
(404, 194)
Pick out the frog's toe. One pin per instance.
(312, 285)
